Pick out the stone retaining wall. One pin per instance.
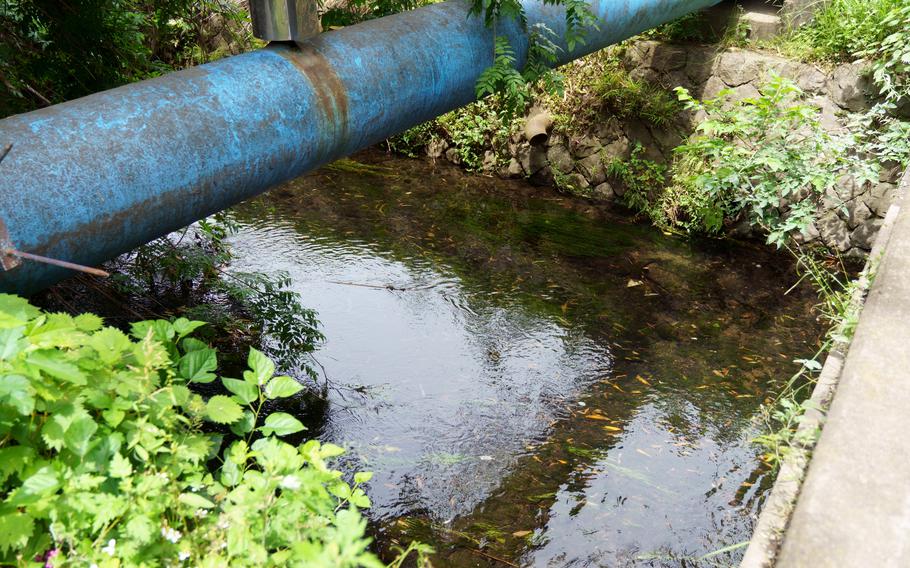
(849, 217)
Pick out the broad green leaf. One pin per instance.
(198, 366)
(340, 489)
(231, 475)
(262, 368)
(140, 528)
(330, 451)
(195, 448)
(15, 459)
(282, 387)
(88, 322)
(110, 343)
(16, 391)
(79, 435)
(40, 484)
(223, 410)
(244, 425)
(162, 330)
(184, 326)
(53, 432)
(193, 344)
(281, 424)
(359, 499)
(363, 476)
(15, 530)
(120, 467)
(195, 501)
(181, 394)
(11, 343)
(55, 364)
(15, 311)
(244, 391)
(113, 416)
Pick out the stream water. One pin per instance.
(534, 379)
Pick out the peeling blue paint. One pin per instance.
(95, 177)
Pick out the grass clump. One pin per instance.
(841, 30)
(599, 85)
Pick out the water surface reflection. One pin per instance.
(533, 379)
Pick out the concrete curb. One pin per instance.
(778, 508)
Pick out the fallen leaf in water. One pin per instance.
(597, 417)
(520, 534)
(642, 380)
(634, 283)
(612, 428)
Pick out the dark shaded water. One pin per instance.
(534, 380)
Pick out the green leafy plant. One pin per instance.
(841, 29)
(414, 141)
(108, 456)
(502, 76)
(52, 51)
(766, 158)
(642, 179)
(628, 98)
(598, 87)
(878, 31)
(477, 128)
(890, 55)
(840, 305)
(185, 273)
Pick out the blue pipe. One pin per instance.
(92, 178)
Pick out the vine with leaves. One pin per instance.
(503, 78)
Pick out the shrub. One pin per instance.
(108, 457)
(766, 158)
(53, 51)
(642, 179)
(184, 273)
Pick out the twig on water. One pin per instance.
(496, 558)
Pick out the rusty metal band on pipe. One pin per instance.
(95, 177)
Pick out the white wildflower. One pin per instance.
(184, 554)
(170, 534)
(109, 549)
(291, 482)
